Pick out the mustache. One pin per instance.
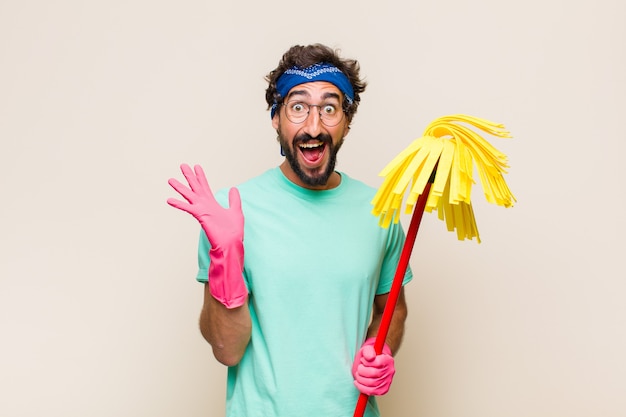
(305, 137)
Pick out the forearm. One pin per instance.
(373, 371)
(227, 330)
(225, 319)
(396, 327)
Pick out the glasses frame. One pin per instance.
(319, 107)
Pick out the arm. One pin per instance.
(373, 373)
(227, 330)
(396, 328)
(225, 319)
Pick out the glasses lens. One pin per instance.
(330, 114)
(297, 111)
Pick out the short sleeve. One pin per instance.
(395, 244)
(203, 258)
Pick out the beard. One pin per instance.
(319, 177)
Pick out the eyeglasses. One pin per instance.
(298, 111)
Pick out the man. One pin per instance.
(295, 314)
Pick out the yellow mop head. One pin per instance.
(447, 149)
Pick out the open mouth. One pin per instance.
(312, 151)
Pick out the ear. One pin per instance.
(275, 121)
(346, 130)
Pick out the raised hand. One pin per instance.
(221, 225)
(224, 229)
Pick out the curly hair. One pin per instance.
(305, 56)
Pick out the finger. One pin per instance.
(190, 176)
(204, 187)
(370, 372)
(181, 189)
(181, 205)
(363, 389)
(201, 178)
(374, 389)
(377, 362)
(374, 381)
(369, 353)
(234, 199)
(369, 382)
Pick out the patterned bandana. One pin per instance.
(318, 72)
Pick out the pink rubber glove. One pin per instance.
(224, 229)
(373, 373)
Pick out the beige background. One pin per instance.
(101, 100)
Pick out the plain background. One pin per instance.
(100, 101)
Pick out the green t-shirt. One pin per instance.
(314, 260)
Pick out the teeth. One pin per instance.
(311, 145)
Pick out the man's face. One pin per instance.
(311, 147)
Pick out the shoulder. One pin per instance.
(356, 188)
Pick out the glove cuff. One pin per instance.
(226, 282)
(372, 341)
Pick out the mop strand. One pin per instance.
(449, 149)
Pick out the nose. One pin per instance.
(313, 123)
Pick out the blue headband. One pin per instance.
(318, 72)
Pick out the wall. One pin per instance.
(101, 101)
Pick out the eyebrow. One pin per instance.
(325, 96)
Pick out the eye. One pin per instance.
(298, 108)
(329, 109)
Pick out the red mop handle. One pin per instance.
(396, 286)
